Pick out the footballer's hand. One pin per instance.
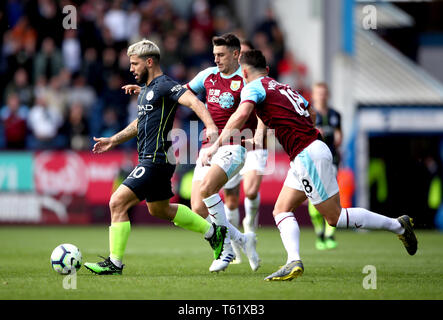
(212, 134)
(207, 153)
(131, 89)
(102, 145)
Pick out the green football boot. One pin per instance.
(330, 243)
(320, 244)
(217, 240)
(288, 272)
(408, 237)
(105, 267)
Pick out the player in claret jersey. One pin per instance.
(311, 175)
(222, 85)
(151, 178)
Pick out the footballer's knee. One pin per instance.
(251, 194)
(117, 207)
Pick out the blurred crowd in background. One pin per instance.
(61, 87)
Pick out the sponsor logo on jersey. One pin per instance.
(226, 100)
(235, 85)
(149, 95)
(176, 88)
(144, 108)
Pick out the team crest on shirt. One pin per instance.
(149, 95)
(226, 100)
(235, 85)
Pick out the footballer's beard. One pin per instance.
(143, 77)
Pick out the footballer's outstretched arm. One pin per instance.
(106, 144)
(191, 101)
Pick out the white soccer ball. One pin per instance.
(66, 258)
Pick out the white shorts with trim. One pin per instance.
(231, 158)
(255, 160)
(313, 173)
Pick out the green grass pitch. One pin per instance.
(167, 263)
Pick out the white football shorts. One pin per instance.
(313, 173)
(255, 160)
(231, 158)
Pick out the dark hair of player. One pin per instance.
(248, 44)
(255, 59)
(228, 39)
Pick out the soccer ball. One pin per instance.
(66, 258)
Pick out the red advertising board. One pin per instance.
(82, 174)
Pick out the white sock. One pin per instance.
(289, 233)
(210, 232)
(233, 216)
(116, 262)
(365, 219)
(216, 210)
(251, 207)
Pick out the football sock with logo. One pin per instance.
(216, 209)
(187, 219)
(118, 238)
(317, 220)
(251, 207)
(289, 233)
(365, 219)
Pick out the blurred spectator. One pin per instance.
(13, 118)
(44, 123)
(109, 59)
(223, 22)
(202, 19)
(46, 17)
(82, 93)
(110, 124)
(92, 70)
(55, 95)
(23, 33)
(71, 51)
(20, 85)
(198, 53)
(116, 21)
(115, 98)
(76, 129)
(48, 61)
(123, 67)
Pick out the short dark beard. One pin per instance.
(143, 78)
